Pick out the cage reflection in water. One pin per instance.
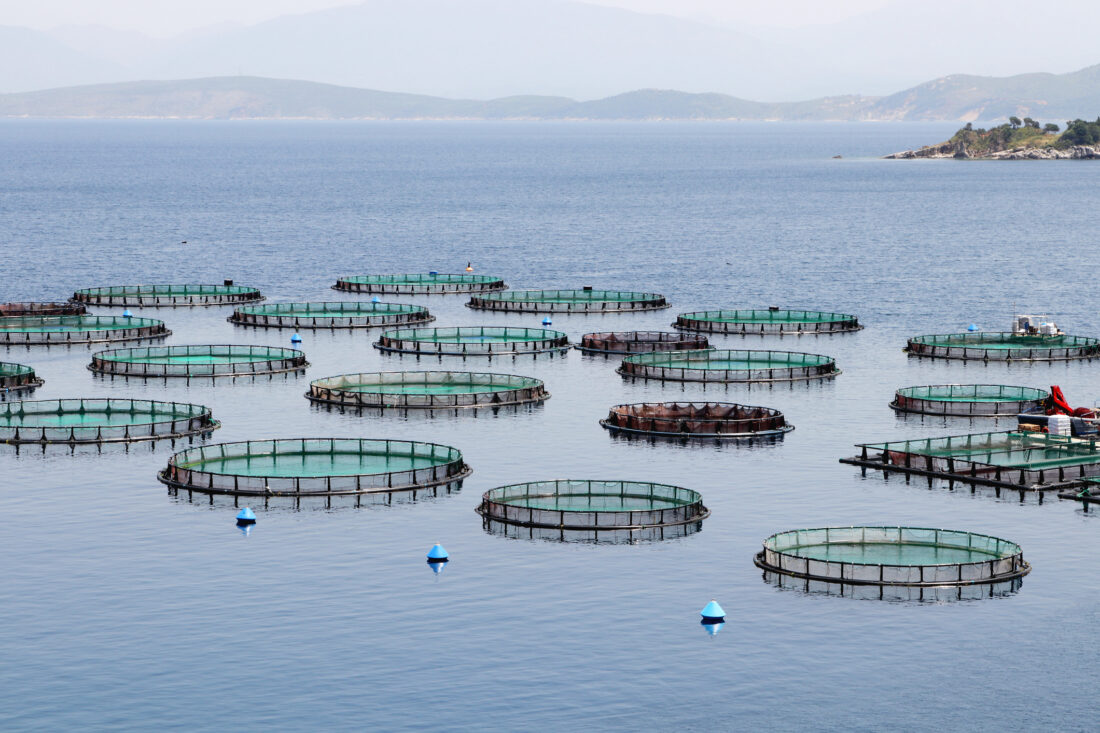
(585, 510)
(933, 594)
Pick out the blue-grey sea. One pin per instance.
(122, 607)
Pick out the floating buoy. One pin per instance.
(546, 321)
(376, 299)
(972, 327)
(469, 267)
(246, 516)
(127, 314)
(295, 339)
(712, 613)
(433, 272)
(437, 554)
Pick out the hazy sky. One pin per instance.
(165, 17)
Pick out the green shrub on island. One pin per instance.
(1026, 133)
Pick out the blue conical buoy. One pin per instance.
(376, 299)
(433, 272)
(713, 613)
(295, 339)
(546, 321)
(127, 314)
(246, 516)
(437, 554)
(972, 327)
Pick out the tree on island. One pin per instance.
(1050, 127)
(1014, 121)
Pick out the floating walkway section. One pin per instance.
(729, 366)
(310, 468)
(696, 420)
(42, 309)
(331, 315)
(17, 379)
(167, 296)
(968, 400)
(420, 284)
(101, 421)
(1022, 461)
(427, 390)
(68, 330)
(892, 558)
(1003, 347)
(639, 342)
(767, 322)
(473, 341)
(198, 361)
(587, 510)
(568, 301)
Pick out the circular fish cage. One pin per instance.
(892, 556)
(568, 301)
(473, 341)
(42, 309)
(705, 420)
(968, 400)
(420, 284)
(101, 421)
(330, 315)
(17, 378)
(167, 296)
(1004, 346)
(426, 390)
(581, 509)
(304, 468)
(639, 342)
(729, 366)
(770, 321)
(198, 361)
(66, 330)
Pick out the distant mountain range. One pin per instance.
(962, 98)
(487, 49)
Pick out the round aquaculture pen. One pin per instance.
(473, 341)
(892, 556)
(568, 301)
(198, 361)
(420, 284)
(581, 509)
(968, 400)
(330, 315)
(42, 309)
(65, 330)
(707, 420)
(770, 321)
(167, 296)
(17, 378)
(310, 468)
(639, 342)
(101, 421)
(426, 390)
(729, 366)
(982, 346)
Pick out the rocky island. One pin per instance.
(1017, 139)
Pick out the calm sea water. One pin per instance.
(125, 608)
